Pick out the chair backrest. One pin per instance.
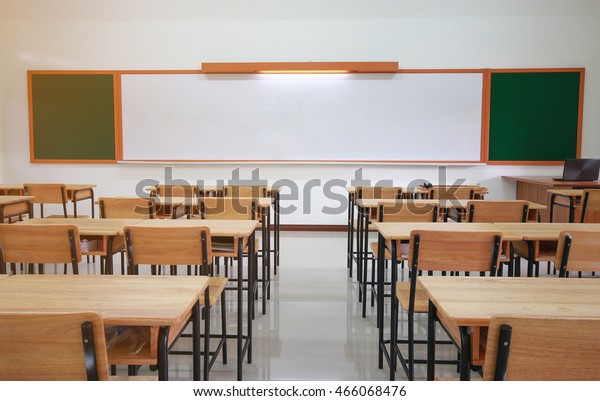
(48, 194)
(168, 245)
(453, 192)
(52, 346)
(484, 211)
(228, 208)
(408, 211)
(126, 208)
(245, 191)
(542, 348)
(40, 243)
(176, 191)
(459, 251)
(590, 206)
(378, 192)
(577, 251)
(464, 251)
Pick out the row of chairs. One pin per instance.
(59, 244)
(56, 194)
(478, 252)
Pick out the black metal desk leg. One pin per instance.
(365, 264)
(380, 296)
(196, 351)
(465, 354)
(163, 353)
(432, 311)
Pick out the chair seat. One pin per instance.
(371, 228)
(403, 295)
(216, 285)
(402, 254)
(70, 216)
(544, 251)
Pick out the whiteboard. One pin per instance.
(302, 117)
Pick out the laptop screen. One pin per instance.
(581, 170)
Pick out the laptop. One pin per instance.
(580, 170)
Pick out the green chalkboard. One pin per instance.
(534, 116)
(72, 116)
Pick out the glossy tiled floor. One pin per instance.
(312, 329)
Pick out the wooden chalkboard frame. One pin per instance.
(99, 145)
(116, 132)
(539, 72)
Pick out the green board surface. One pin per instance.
(73, 116)
(534, 116)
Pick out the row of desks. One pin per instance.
(108, 230)
(148, 301)
(500, 295)
(75, 193)
(365, 208)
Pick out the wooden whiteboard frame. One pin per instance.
(355, 67)
(235, 68)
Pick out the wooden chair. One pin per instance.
(182, 246)
(589, 207)
(465, 251)
(503, 211)
(378, 193)
(403, 212)
(232, 208)
(39, 243)
(542, 348)
(366, 192)
(48, 194)
(451, 192)
(125, 208)
(577, 251)
(245, 191)
(52, 346)
(175, 191)
(543, 251)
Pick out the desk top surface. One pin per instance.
(88, 226)
(472, 301)
(122, 300)
(401, 231)
(442, 203)
(224, 228)
(548, 181)
(8, 200)
(574, 193)
(546, 231)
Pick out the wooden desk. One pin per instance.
(543, 232)
(535, 189)
(366, 207)
(275, 193)
(243, 230)
(571, 196)
(79, 192)
(75, 193)
(478, 192)
(395, 232)
(470, 302)
(15, 206)
(149, 301)
(106, 230)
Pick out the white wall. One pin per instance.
(180, 34)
